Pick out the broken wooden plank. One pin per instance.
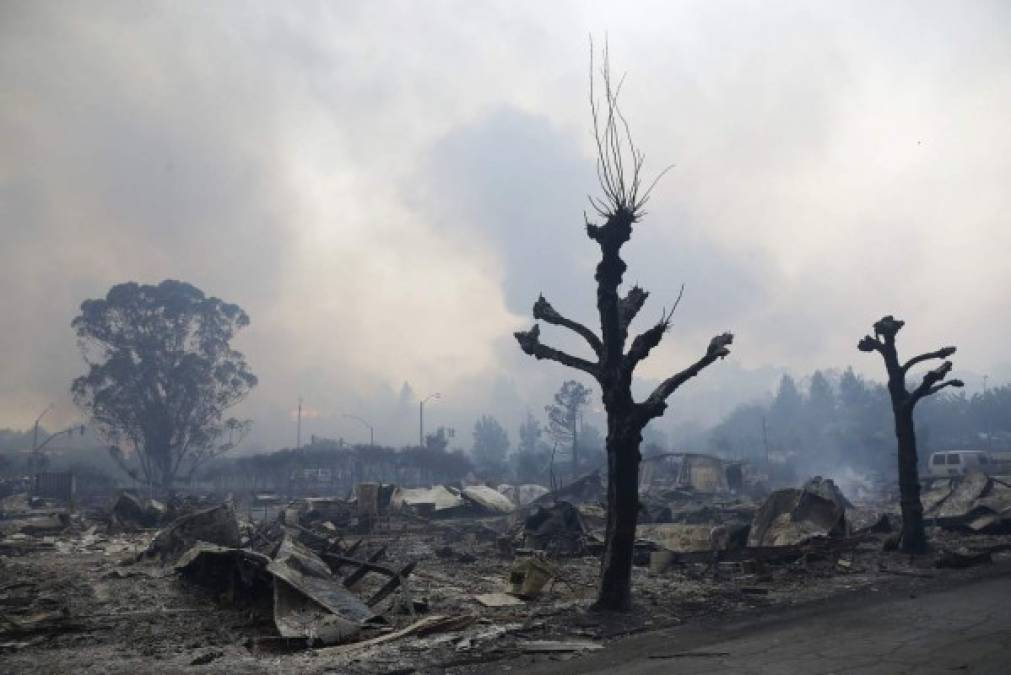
(498, 600)
(549, 646)
(683, 655)
(426, 626)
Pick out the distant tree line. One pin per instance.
(327, 466)
(844, 419)
(556, 452)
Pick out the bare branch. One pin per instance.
(544, 311)
(619, 161)
(530, 343)
(942, 353)
(656, 403)
(950, 383)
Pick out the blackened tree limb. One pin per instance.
(545, 312)
(942, 353)
(933, 382)
(950, 383)
(656, 403)
(611, 236)
(870, 344)
(531, 344)
(629, 306)
(645, 342)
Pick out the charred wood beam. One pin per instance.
(656, 403)
(336, 561)
(392, 584)
(530, 343)
(313, 540)
(545, 312)
(360, 573)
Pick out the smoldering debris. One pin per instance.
(401, 578)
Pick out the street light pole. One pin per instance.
(35, 433)
(421, 417)
(35, 460)
(372, 432)
(298, 432)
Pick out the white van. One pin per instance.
(958, 463)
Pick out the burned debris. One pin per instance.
(390, 577)
(330, 557)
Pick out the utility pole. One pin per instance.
(986, 416)
(421, 418)
(765, 442)
(298, 432)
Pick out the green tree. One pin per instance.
(530, 435)
(563, 418)
(785, 415)
(491, 444)
(532, 456)
(821, 400)
(161, 375)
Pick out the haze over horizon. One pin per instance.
(386, 187)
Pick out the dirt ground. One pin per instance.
(80, 603)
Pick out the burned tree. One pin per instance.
(913, 538)
(619, 169)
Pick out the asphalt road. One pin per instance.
(966, 629)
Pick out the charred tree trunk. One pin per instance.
(619, 165)
(914, 537)
(622, 512)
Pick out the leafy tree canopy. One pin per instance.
(161, 375)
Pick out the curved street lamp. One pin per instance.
(372, 431)
(35, 459)
(421, 417)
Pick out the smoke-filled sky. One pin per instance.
(386, 186)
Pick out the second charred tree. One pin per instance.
(619, 165)
(913, 538)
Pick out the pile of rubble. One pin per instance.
(973, 503)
